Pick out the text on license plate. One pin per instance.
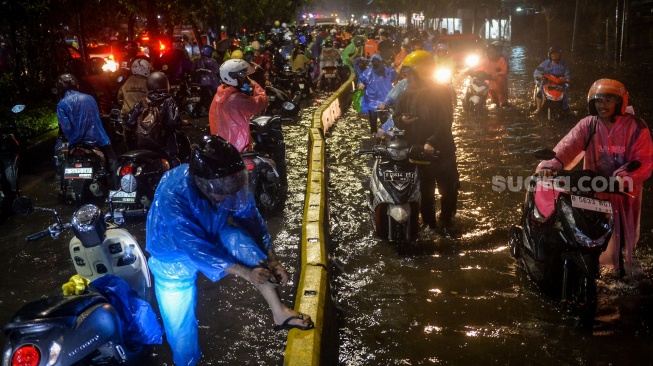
(122, 197)
(78, 173)
(399, 176)
(591, 204)
(194, 99)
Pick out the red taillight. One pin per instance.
(27, 355)
(126, 169)
(162, 46)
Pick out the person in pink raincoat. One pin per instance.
(609, 139)
(238, 99)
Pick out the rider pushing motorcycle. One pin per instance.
(553, 66)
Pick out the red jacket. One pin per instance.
(230, 113)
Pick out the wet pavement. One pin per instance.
(451, 299)
(460, 298)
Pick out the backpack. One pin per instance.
(149, 128)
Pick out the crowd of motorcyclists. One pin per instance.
(394, 71)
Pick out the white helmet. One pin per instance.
(141, 67)
(231, 67)
(288, 36)
(284, 25)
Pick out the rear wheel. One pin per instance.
(583, 296)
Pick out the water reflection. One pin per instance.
(458, 297)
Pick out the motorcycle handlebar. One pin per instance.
(38, 236)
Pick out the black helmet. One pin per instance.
(359, 42)
(66, 82)
(158, 81)
(328, 43)
(207, 51)
(219, 173)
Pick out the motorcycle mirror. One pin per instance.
(544, 154)
(22, 206)
(288, 106)
(128, 183)
(633, 165)
(18, 108)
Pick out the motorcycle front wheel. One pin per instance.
(583, 296)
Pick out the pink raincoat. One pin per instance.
(608, 153)
(230, 113)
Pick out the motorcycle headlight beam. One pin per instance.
(472, 60)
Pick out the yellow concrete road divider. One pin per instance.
(305, 347)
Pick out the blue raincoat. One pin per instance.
(377, 85)
(391, 101)
(186, 234)
(79, 118)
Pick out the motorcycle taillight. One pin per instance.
(26, 355)
(126, 169)
(78, 152)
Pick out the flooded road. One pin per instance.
(457, 299)
(460, 298)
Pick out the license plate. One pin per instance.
(398, 176)
(591, 204)
(329, 76)
(301, 86)
(122, 197)
(194, 99)
(78, 173)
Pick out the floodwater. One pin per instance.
(460, 298)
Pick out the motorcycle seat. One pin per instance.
(142, 154)
(57, 306)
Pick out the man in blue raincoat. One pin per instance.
(204, 220)
(377, 82)
(79, 119)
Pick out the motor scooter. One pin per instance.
(394, 196)
(554, 89)
(93, 327)
(266, 163)
(475, 92)
(329, 78)
(564, 227)
(82, 172)
(9, 159)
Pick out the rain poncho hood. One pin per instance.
(184, 229)
(230, 113)
(377, 86)
(608, 152)
(351, 51)
(79, 118)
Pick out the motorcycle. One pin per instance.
(266, 163)
(191, 98)
(9, 158)
(82, 172)
(475, 92)
(394, 196)
(564, 228)
(329, 78)
(279, 103)
(92, 327)
(553, 93)
(291, 83)
(141, 170)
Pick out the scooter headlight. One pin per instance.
(398, 154)
(472, 60)
(572, 226)
(442, 75)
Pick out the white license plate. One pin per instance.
(591, 204)
(122, 197)
(398, 176)
(78, 173)
(301, 86)
(194, 99)
(329, 76)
